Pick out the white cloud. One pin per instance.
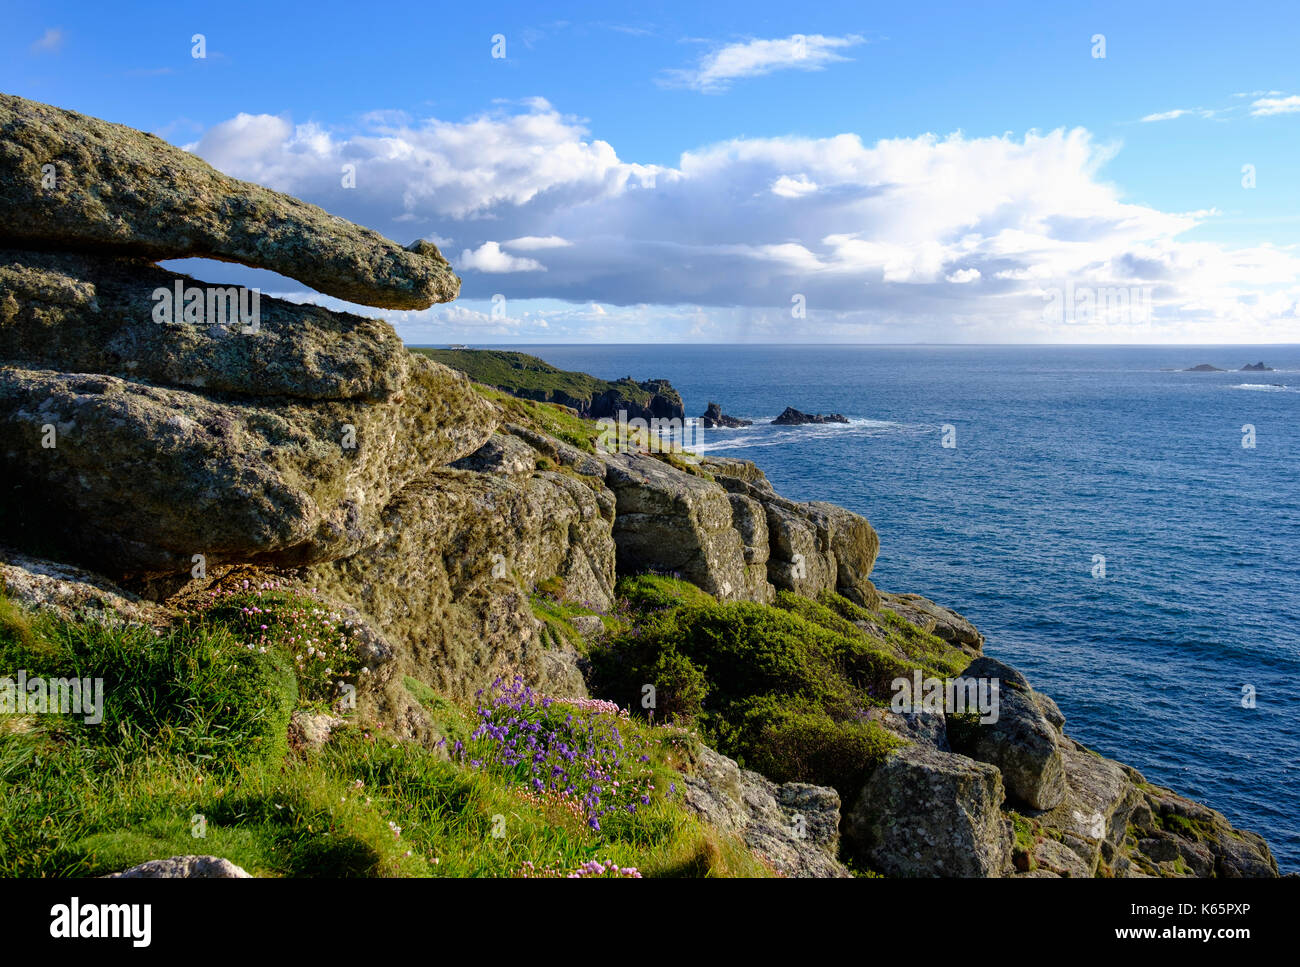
(50, 42)
(1266, 106)
(718, 68)
(488, 257)
(796, 187)
(537, 243)
(880, 241)
(1168, 115)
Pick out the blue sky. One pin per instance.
(748, 171)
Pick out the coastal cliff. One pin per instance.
(531, 378)
(313, 568)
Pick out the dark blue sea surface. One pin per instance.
(1063, 453)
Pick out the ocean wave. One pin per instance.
(764, 434)
(1263, 387)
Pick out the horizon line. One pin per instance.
(896, 345)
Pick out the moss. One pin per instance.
(1027, 835)
(552, 587)
(1199, 830)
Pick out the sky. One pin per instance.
(745, 172)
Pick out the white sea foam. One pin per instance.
(763, 434)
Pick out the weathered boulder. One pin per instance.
(750, 521)
(812, 546)
(794, 827)
(73, 593)
(72, 182)
(1092, 818)
(1022, 743)
(923, 812)
(1171, 835)
(456, 552)
(672, 521)
(936, 619)
(135, 478)
(184, 868)
(93, 314)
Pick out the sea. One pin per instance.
(1123, 531)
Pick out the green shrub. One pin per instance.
(793, 746)
(784, 688)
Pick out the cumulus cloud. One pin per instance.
(488, 257)
(795, 187)
(752, 58)
(1168, 115)
(882, 240)
(1266, 106)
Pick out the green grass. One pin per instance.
(194, 741)
(554, 420)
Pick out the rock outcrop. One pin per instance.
(184, 868)
(936, 619)
(146, 444)
(795, 827)
(1256, 368)
(72, 182)
(95, 314)
(714, 418)
(929, 813)
(792, 417)
(73, 593)
(1022, 743)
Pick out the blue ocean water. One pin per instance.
(1063, 453)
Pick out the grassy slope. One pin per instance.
(194, 739)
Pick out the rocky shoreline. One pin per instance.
(153, 464)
